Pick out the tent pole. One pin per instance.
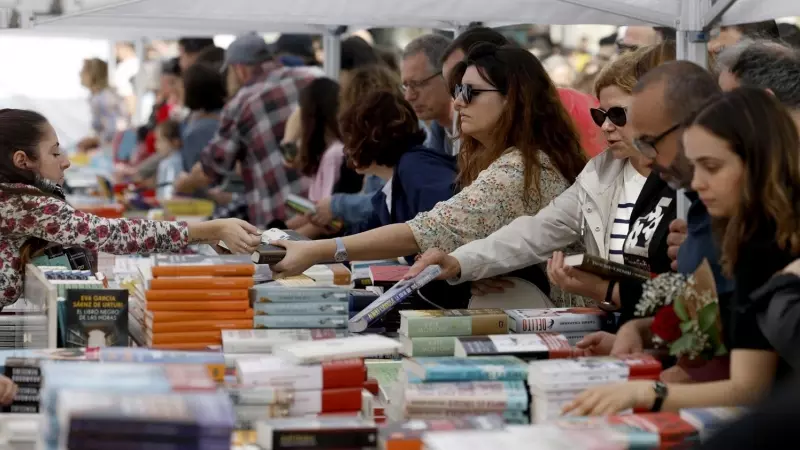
(332, 45)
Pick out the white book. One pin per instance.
(264, 341)
(310, 352)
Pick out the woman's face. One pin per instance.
(169, 85)
(51, 161)
(480, 114)
(718, 171)
(86, 78)
(619, 138)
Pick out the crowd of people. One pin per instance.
(470, 157)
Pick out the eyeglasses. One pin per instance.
(616, 114)
(417, 85)
(467, 92)
(647, 145)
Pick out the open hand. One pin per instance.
(612, 398)
(677, 234)
(628, 339)
(238, 235)
(323, 216)
(599, 343)
(300, 255)
(435, 257)
(575, 281)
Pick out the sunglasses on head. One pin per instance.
(616, 114)
(467, 92)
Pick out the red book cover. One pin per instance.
(326, 401)
(671, 429)
(387, 274)
(344, 374)
(371, 385)
(642, 366)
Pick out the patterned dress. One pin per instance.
(36, 214)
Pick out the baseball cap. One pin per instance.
(294, 44)
(250, 49)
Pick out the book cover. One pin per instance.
(524, 346)
(305, 206)
(483, 396)
(320, 432)
(229, 270)
(326, 401)
(274, 371)
(557, 320)
(361, 273)
(264, 341)
(195, 295)
(202, 283)
(163, 317)
(486, 368)
(96, 318)
(391, 298)
(214, 361)
(260, 395)
(453, 322)
(340, 348)
(427, 346)
(408, 435)
(608, 270)
(210, 307)
(276, 293)
(708, 421)
(575, 374)
(387, 275)
(319, 321)
(301, 309)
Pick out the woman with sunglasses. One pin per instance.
(596, 209)
(519, 150)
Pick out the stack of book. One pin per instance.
(408, 435)
(22, 330)
(26, 374)
(555, 383)
(362, 275)
(277, 306)
(311, 378)
(319, 433)
(434, 332)
(185, 307)
(112, 405)
(573, 323)
(438, 387)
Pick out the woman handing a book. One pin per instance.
(34, 213)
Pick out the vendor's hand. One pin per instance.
(628, 340)
(324, 216)
(793, 268)
(182, 183)
(575, 281)
(677, 234)
(300, 255)
(8, 389)
(612, 398)
(88, 143)
(495, 285)
(435, 257)
(599, 343)
(238, 235)
(219, 196)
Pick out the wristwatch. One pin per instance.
(341, 252)
(608, 304)
(661, 392)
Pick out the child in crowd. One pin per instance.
(168, 144)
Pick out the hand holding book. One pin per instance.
(574, 280)
(451, 268)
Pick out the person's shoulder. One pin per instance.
(422, 155)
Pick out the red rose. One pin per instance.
(666, 324)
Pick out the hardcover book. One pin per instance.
(603, 268)
(524, 346)
(335, 349)
(317, 321)
(453, 322)
(486, 368)
(556, 320)
(96, 318)
(264, 341)
(276, 293)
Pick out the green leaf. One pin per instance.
(686, 326)
(707, 316)
(681, 345)
(680, 309)
(721, 350)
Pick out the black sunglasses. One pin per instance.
(647, 145)
(616, 114)
(467, 92)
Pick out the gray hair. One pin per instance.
(687, 88)
(771, 65)
(433, 46)
(727, 58)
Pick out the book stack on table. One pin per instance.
(435, 332)
(439, 387)
(311, 307)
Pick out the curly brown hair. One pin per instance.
(625, 71)
(380, 129)
(366, 80)
(762, 133)
(533, 119)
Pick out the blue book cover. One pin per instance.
(276, 293)
(451, 368)
(301, 309)
(327, 321)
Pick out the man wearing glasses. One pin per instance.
(426, 89)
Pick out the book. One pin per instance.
(387, 275)
(195, 295)
(264, 341)
(557, 320)
(329, 274)
(275, 371)
(474, 396)
(317, 321)
(276, 293)
(339, 348)
(95, 318)
(708, 421)
(408, 435)
(524, 346)
(606, 269)
(453, 322)
(229, 270)
(204, 283)
(361, 273)
(163, 317)
(301, 309)
(260, 395)
(305, 206)
(486, 368)
(427, 346)
(391, 298)
(214, 362)
(199, 326)
(322, 432)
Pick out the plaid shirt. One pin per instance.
(251, 128)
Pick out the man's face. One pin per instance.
(652, 126)
(425, 89)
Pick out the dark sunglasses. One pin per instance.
(467, 92)
(647, 145)
(616, 114)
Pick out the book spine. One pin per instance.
(225, 305)
(205, 325)
(229, 270)
(554, 324)
(265, 294)
(432, 346)
(121, 443)
(467, 325)
(194, 295)
(194, 283)
(600, 265)
(209, 337)
(472, 373)
(328, 321)
(304, 309)
(326, 401)
(341, 374)
(321, 438)
(154, 317)
(480, 396)
(260, 395)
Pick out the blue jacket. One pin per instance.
(438, 140)
(356, 208)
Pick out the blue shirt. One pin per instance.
(168, 170)
(197, 133)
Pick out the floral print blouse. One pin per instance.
(36, 214)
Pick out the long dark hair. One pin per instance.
(759, 129)
(533, 119)
(23, 130)
(319, 110)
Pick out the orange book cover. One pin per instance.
(225, 305)
(229, 270)
(213, 283)
(194, 295)
(154, 317)
(205, 337)
(200, 325)
(217, 372)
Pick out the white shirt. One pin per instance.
(123, 76)
(632, 184)
(387, 191)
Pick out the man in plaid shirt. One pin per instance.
(251, 127)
